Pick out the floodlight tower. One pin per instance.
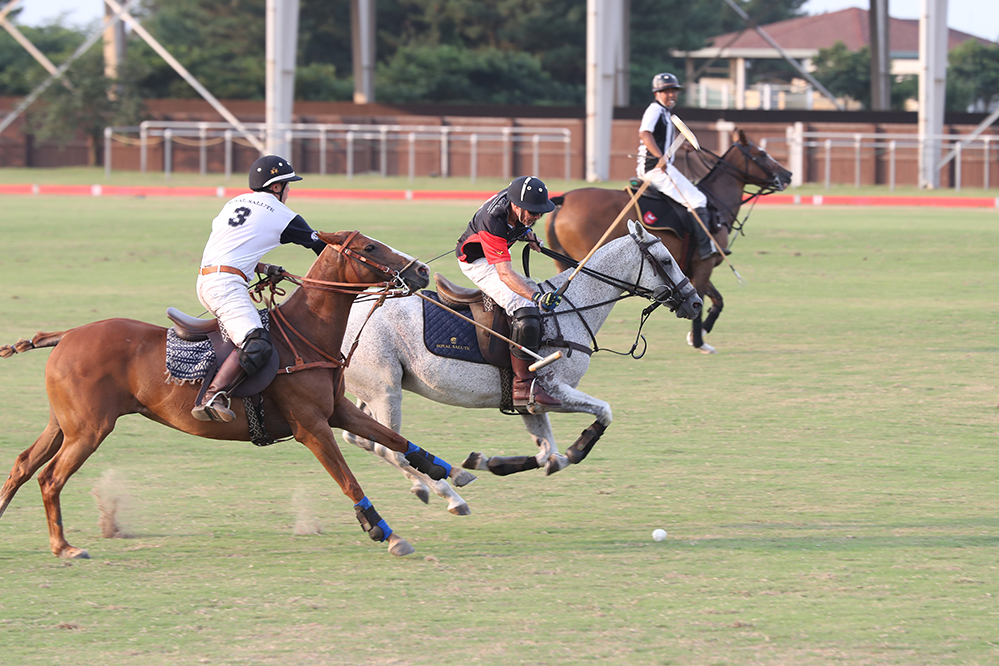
(932, 87)
(282, 45)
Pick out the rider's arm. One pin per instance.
(650, 144)
(299, 232)
(513, 279)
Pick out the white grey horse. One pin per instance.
(391, 356)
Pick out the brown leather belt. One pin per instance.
(223, 269)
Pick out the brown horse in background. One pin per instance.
(583, 215)
(104, 370)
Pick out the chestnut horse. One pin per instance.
(106, 369)
(583, 215)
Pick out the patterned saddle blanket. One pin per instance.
(192, 362)
(447, 335)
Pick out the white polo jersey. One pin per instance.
(251, 225)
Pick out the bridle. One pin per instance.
(668, 294)
(765, 185)
(266, 290)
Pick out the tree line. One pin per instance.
(486, 52)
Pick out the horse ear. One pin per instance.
(635, 229)
(742, 138)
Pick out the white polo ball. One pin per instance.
(659, 535)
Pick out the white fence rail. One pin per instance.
(891, 148)
(352, 137)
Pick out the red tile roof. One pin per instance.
(850, 26)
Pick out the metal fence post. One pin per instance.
(473, 154)
(567, 142)
(957, 166)
(507, 153)
(535, 154)
(856, 160)
(412, 156)
(202, 148)
(107, 151)
(167, 153)
(891, 163)
(228, 154)
(383, 153)
(444, 152)
(987, 141)
(322, 150)
(350, 155)
(143, 147)
(828, 143)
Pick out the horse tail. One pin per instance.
(40, 341)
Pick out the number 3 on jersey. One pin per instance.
(241, 214)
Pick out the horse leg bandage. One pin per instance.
(582, 446)
(427, 463)
(370, 521)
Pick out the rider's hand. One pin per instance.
(272, 271)
(547, 301)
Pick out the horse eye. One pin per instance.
(763, 153)
(370, 247)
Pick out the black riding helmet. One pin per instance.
(665, 81)
(529, 193)
(271, 169)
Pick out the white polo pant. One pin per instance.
(679, 189)
(226, 297)
(486, 277)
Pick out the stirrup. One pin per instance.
(212, 412)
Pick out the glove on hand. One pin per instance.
(547, 301)
(272, 271)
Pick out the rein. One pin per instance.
(629, 290)
(741, 174)
(266, 289)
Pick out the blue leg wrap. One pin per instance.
(370, 521)
(427, 463)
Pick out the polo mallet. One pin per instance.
(685, 134)
(534, 367)
(704, 226)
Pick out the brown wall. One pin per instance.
(18, 148)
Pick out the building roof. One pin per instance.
(802, 37)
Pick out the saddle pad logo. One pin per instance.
(447, 335)
(649, 218)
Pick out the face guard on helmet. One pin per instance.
(271, 169)
(529, 193)
(665, 81)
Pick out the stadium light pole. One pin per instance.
(932, 87)
(282, 45)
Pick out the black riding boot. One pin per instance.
(214, 405)
(526, 332)
(705, 245)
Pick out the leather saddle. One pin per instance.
(471, 303)
(659, 212)
(193, 329)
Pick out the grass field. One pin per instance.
(827, 480)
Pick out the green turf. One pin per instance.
(827, 480)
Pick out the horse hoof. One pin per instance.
(705, 348)
(460, 478)
(556, 462)
(421, 492)
(460, 510)
(74, 553)
(399, 546)
(476, 460)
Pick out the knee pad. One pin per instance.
(527, 328)
(256, 351)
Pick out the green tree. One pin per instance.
(19, 72)
(89, 104)
(845, 73)
(972, 76)
(455, 75)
